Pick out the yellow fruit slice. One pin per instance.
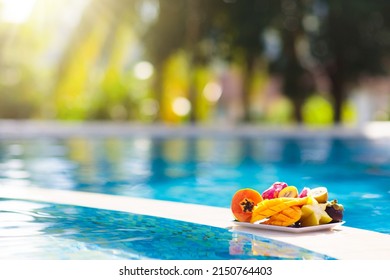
(310, 220)
(270, 207)
(325, 219)
(290, 191)
(311, 200)
(287, 217)
(313, 215)
(320, 194)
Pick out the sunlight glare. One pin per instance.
(212, 91)
(143, 70)
(181, 106)
(16, 11)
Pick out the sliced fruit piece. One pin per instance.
(309, 221)
(305, 192)
(287, 217)
(269, 207)
(325, 219)
(273, 191)
(313, 214)
(335, 210)
(323, 205)
(306, 211)
(320, 194)
(311, 200)
(290, 191)
(243, 202)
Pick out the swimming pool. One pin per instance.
(195, 170)
(208, 170)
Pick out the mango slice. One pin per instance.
(270, 207)
(286, 217)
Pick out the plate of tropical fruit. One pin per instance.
(283, 207)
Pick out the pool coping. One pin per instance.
(60, 129)
(344, 243)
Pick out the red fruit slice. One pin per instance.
(243, 202)
(305, 192)
(273, 191)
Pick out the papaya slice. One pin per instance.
(243, 202)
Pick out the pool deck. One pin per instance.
(343, 242)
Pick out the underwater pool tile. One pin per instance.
(74, 232)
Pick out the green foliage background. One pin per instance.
(75, 60)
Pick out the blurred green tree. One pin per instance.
(187, 25)
(352, 39)
(90, 82)
(164, 36)
(297, 79)
(243, 28)
(92, 79)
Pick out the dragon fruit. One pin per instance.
(273, 191)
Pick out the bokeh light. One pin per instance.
(143, 70)
(212, 91)
(181, 106)
(16, 11)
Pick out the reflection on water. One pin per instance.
(19, 218)
(208, 170)
(44, 231)
(252, 245)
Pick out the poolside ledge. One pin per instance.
(62, 129)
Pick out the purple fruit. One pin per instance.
(335, 210)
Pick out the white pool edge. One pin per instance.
(17, 129)
(344, 243)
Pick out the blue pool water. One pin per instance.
(208, 171)
(47, 231)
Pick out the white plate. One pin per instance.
(289, 229)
